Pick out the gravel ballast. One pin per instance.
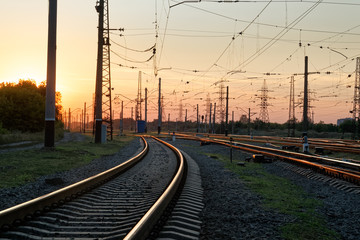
(46, 184)
(340, 208)
(232, 211)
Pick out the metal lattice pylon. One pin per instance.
(139, 99)
(291, 121)
(356, 101)
(222, 98)
(264, 114)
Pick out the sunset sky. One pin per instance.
(199, 45)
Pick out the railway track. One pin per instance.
(126, 202)
(340, 169)
(338, 145)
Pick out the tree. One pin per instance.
(22, 106)
(347, 126)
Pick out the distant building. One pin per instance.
(341, 120)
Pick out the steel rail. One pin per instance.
(312, 144)
(325, 144)
(145, 225)
(351, 165)
(36, 206)
(342, 174)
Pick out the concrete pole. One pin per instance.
(84, 117)
(99, 75)
(69, 123)
(49, 140)
(185, 119)
(227, 111)
(305, 108)
(81, 120)
(205, 123)
(132, 118)
(214, 119)
(197, 117)
(122, 118)
(249, 123)
(168, 125)
(159, 108)
(210, 118)
(146, 110)
(232, 123)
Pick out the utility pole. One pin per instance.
(197, 117)
(146, 110)
(356, 101)
(232, 123)
(249, 123)
(227, 111)
(180, 110)
(291, 121)
(214, 119)
(204, 122)
(210, 118)
(99, 74)
(185, 119)
(69, 122)
(305, 106)
(159, 106)
(132, 119)
(168, 125)
(49, 140)
(81, 120)
(103, 73)
(122, 118)
(84, 117)
(139, 99)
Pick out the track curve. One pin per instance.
(127, 207)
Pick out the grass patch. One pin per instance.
(343, 155)
(20, 167)
(21, 137)
(34, 138)
(282, 195)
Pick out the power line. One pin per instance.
(134, 50)
(278, 36)
(130, 60)
(267, 24)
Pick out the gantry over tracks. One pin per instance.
(44, 211)
(347, 171)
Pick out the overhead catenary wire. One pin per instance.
(134, 50)
(277, 37)
(130, 60)
(268, 24)
(234, 37)
(214, 74)
(279, 1)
